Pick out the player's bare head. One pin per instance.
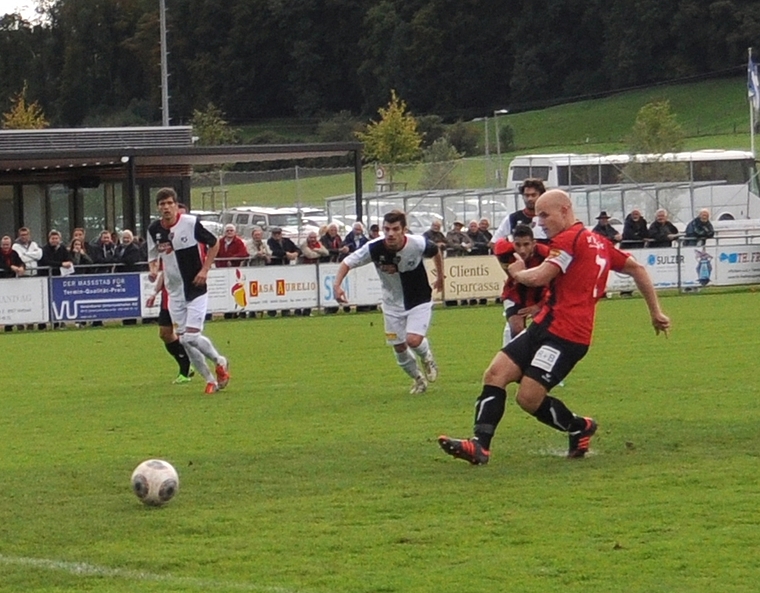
(165, 194)
(555, 212)
(394, 227)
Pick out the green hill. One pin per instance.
(713, 113)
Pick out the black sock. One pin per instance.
(177, 350)
(554, 413)
(489, 410)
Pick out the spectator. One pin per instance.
(699, 229)
(105, 252)
(478, 240)
(55, 256)
(374, 231)
(662, 231)
(458, 241)
(283, 249)
(434, 235)
(530, 189)
(635, 231)
(485, 227)
(331, 239)
(258, 249)
(79, 255)
(29, 252)
(605, 229)
(10, 261)
(312, 251)
(79, 233)
(232, 250)
(11, 265)
(356, 238)
(128, 253)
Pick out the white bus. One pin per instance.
(724, 181)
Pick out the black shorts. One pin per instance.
(512, 310)
(544, 357)
(164, 318)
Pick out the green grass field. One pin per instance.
(316, 472)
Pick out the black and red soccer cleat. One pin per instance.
(468, 449)
(581, 439)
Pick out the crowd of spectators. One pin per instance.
(109, 253)
(661, 233)
(125, 252)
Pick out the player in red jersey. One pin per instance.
(575, 273)
(520, 301)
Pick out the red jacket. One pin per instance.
(236, 249)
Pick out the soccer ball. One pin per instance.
(155, 482)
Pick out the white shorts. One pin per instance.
(188, 314)
(400, 323)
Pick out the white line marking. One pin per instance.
(84, 569)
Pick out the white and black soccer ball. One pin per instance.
(155, 482)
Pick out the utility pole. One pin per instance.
(164, 68)
(496, 115)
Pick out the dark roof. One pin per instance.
(67, 148)
(13, 142)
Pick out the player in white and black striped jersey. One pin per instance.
(186, 251)
(407, 295)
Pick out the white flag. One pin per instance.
(753, 85)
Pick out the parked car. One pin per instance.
(210, 221)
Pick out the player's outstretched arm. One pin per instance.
(340, 294)
(635, 270)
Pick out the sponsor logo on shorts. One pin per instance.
(545, 358)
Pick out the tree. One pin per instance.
(440, 160)
(463, 138)
(23, 115)
(656, 131)
(394, 139)
(211, 128)
(341, 127)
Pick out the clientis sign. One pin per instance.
(476, 278)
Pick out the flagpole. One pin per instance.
(751, 108)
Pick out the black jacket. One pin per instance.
(53, 257)
(634, 233)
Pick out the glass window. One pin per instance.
(58, 215)
(520, 173)
(8, 223)
(33, 203)
(114, 195)
(94, 211)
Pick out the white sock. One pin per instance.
(423, 350)
(199, 360)
(204, 345)
(408, 362)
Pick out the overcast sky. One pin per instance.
(26, 7)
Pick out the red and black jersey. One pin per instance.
(519, 294)
(585, 260)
